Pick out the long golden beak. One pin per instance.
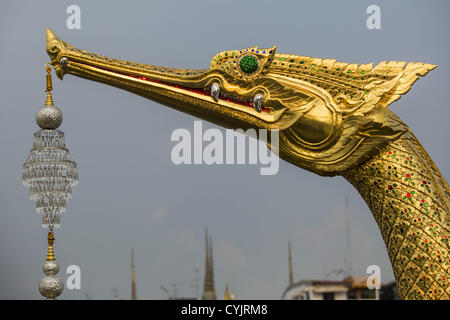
(187, 90)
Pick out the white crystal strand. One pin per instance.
(44, 220)
(56, 221)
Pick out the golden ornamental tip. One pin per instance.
(49, 84)
(49, 99)
(50, 252)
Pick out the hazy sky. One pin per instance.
(131, 195)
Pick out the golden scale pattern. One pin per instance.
(335, 77)
(407, 196)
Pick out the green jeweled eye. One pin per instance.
(248, 64)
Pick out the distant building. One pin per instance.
(354, 287)
(358, 288)
(313, 289)
(209, 291)
(389, 291)
(316, 290)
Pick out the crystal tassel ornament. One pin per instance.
(50, 175)
(49, 172)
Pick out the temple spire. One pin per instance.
(133, 277)
(209, 292)
(227, 295)
(211, 260)
(291, 272)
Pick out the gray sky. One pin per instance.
(130, 194)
